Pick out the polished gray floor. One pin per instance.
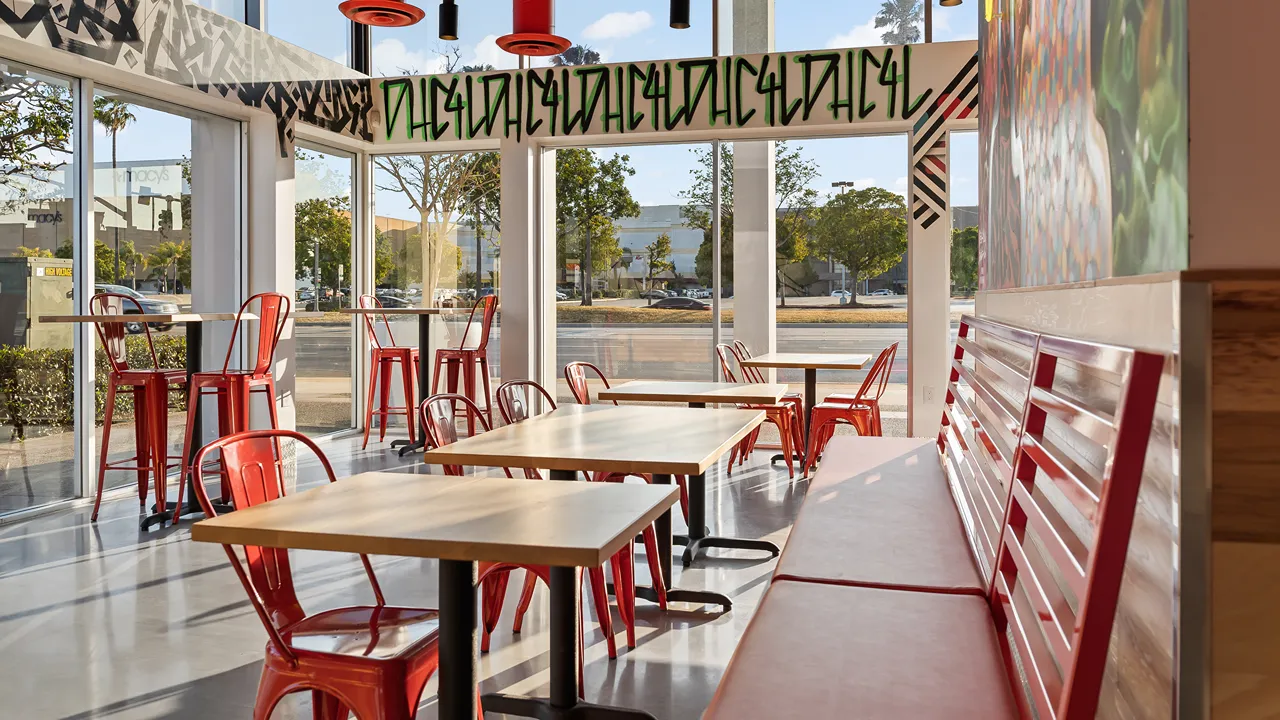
(100, 621)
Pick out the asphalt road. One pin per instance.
(671, 352)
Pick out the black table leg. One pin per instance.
(700, 540)
(424, 389)
(663, 527)
(195, 344)
(457, 640)
(563, 703)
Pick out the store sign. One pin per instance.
(44, 217)
(891, 88)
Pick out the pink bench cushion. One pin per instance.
(825, 651)
(879, 513)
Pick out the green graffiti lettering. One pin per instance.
(741, 65)
(910, 107)
(634, 73)
(830, 74)
(405, 86)
(889, 78)
(654, 90)
(615, 99)
(435, 127)
(863, 108)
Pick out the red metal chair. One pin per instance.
(150, 387)
(465, 358)
(439, 422)
(862, 410)
(384, 358)
(781, 415)
(234, 389)
(753, 375)
(371, 660)
(575, 374)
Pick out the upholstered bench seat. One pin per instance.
(818, 651)
(879, 513)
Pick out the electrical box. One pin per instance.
(29, 288)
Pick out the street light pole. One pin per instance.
(928, 16)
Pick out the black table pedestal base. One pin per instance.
(542, 709)
(406, 447)
(192, 507)
(701, 544)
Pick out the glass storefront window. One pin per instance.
(437, 242)
(37, 252)
(324, 264)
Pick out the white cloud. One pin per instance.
(864, 183)
(487, 52)
(618, 25)
(864, 35)
(391, 57)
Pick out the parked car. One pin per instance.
(391, 300)
(882, 292)
(149, 307)
(561, 296)
(841, 294)
(654, 294)
(679, 303)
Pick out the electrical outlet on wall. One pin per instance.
(928, 393)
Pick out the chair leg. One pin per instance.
(406, 379)
(655, 566)
(158, 411)
(600, 596)
(451, 379)
(683, 482)
(784, 433)
(369, 398)
(271, 687)
(141, 442)
(488, 394)
(327, 707)
(493, 591)
(193, 400)
(526, 599)
(107, 413)
(384, 400)
(816, 444)
(435, 376)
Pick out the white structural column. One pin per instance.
(217, 257)
(526, 308)
(754, 235)
(270, 251)
(928, 282)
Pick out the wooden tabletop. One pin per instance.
(544, 522)
(404, 311)
(629, 438)
(696, 392)
(809, 361)
(165, 319)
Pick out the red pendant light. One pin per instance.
(381, 13)
(533, 30)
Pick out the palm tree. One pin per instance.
(577, 55)
(902, 17)
(114, 115)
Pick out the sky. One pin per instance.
(622, 30)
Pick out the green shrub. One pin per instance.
(38, 385)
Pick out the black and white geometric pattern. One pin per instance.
(183, 43)
(958, 100)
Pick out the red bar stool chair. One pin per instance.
(575, 373)
(439, 423)
(466, 358)
(753, 375)
(862, 411)
(371, 660)
(782, 415)
(150, 388)
(234, 389)
(382, 365)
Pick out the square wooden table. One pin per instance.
(462, 521)
(811, 363)
(194, 324)
(424, 315)
(697, 395)
(662, 441)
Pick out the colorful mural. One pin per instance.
(1083, 140)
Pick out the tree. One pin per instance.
(864, 230)
(591, 193)
(964, 260)
(483, 210)
(794, 215)
(658, 256)
(167, 256)
(437, 187)
(902, 17)
(114, 116)
(323, 224)
(35, 133)
(577, 55)
(132, 261)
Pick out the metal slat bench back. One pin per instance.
(1062, 553)
(981, 422)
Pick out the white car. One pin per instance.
(841, 293)
(882, 292)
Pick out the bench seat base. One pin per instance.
(818, 651)
(879, 513)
